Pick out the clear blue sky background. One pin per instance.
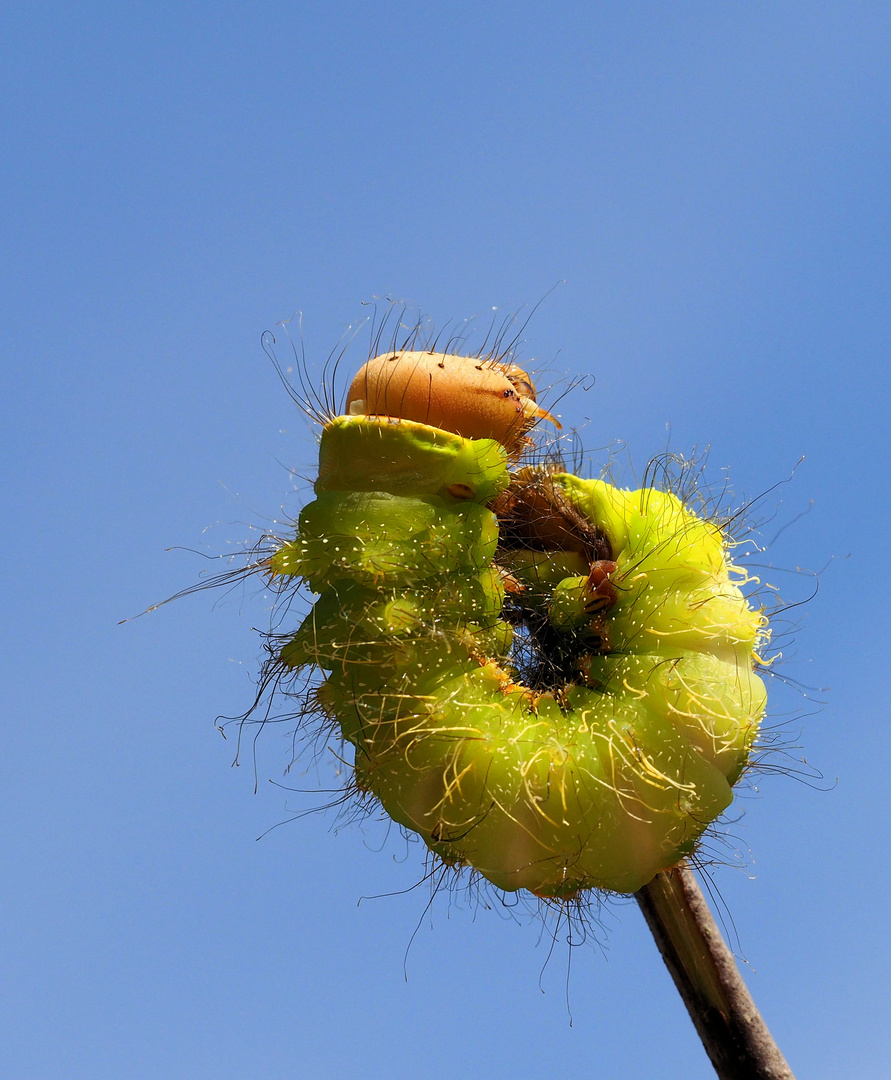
(711, 180)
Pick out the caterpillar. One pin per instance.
(549, 679)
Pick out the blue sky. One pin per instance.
(710, 182)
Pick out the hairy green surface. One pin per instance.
(599, 783)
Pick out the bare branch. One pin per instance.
(704, 970)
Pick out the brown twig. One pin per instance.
(704, 970)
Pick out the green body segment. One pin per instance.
(601, 786)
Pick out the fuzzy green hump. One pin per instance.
(360, 453)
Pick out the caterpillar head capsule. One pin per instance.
(468, 396)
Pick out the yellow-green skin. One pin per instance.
(602, 788)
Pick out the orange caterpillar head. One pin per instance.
(468, 396)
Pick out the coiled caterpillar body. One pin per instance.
(549, 679)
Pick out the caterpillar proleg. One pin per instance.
(549, 679)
